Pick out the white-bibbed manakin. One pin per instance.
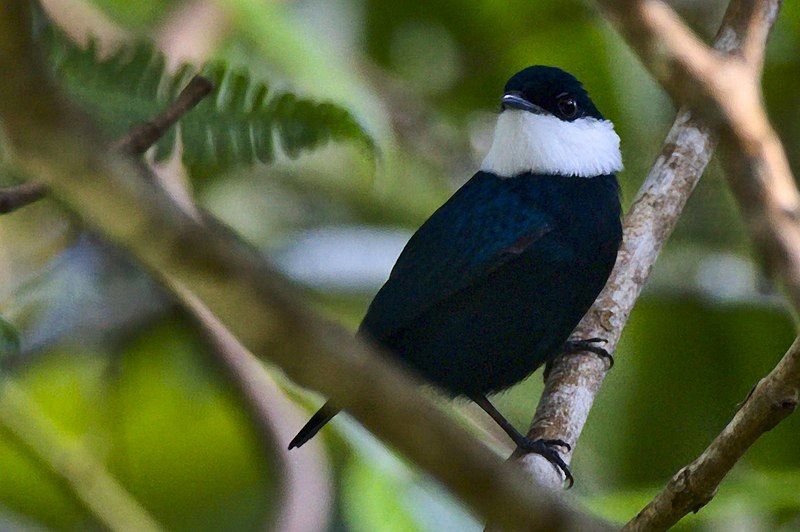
(494, 282)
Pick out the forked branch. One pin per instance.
(576, 379)
(762, 182)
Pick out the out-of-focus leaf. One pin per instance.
(182, 425)
(373, 500)
(141, 13)
(238, 124)
(166, 424)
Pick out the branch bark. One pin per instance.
(575, 380)
(143, 136)
(773, 398)
(118, 198)
(762, 182)
(305, 477)
(305, 492)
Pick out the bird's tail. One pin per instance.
(316, 422)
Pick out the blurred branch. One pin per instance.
(306, 498)
(16, 197)
(305, 503)
(763, 184)
(269, 409)
(117, 196)
(87, 479)
(575, 380)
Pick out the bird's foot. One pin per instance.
(576, 346)
(546, 449)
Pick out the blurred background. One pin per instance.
(109, 367)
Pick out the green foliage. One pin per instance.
(373, 500)
(165, 424)
(138, 14)
(238, 123)
(175, 437)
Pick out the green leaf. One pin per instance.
(237, 124)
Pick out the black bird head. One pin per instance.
(548, 125)
(544, 89)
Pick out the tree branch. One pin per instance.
(773, 398)
(18, 196)
(304, 477)
(136, 142)
(140, 138)
(575, 380)
(762, 182)
(259, 306)
(304, 503)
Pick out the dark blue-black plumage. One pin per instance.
(545, 85)
(490, 287)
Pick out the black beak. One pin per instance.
(515, 101)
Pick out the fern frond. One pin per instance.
(238, 123)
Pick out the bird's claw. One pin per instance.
(546, 449)
(576, 346)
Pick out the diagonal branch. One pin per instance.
(691, 488)
(304, 502)
(83, 474)
(575, 380)
(762, 182)
(141, 137)
(269, 409)
(118, 198)
(18, 196)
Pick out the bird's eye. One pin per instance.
(567, 106)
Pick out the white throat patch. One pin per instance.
(543, 144)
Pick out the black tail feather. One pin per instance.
(316, 422)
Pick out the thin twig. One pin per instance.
(18, 196)
(268, 408)
(246, 293)
(774, 398)
(142, 137)
(136, 142)
(575, 380)
(304, 478)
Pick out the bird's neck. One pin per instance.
(542, 144)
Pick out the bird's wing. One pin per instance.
(483, 226)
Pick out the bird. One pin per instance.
(492, 285)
